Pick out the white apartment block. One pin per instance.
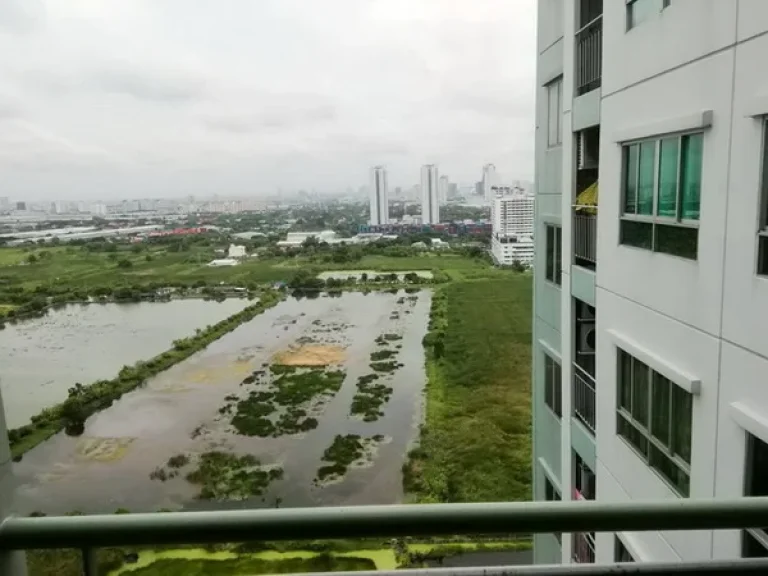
(378, 197)
(513, 214)
(512, 228)
(651, 266)
(430, 203)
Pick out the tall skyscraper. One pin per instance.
(430, 201)
(378, 197)
(490, 180)
(649, 370)
(442, 190)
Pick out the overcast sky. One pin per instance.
(137, 98)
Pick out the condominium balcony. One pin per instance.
(589, 54)
(87, 533)
(584, 408)
(585, 228)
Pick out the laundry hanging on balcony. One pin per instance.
(586, 201)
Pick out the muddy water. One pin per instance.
(41, 359)
(109, 466)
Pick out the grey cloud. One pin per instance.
(147, 85)
(272, 118)
(177, 96)
(20, 16)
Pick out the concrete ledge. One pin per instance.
(678, 376)
(697, 121)
(750, 420)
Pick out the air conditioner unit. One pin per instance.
(586, 338)
(585, 158)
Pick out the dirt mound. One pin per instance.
(310, 355)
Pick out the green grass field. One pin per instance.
(76, 269)
(476, 442)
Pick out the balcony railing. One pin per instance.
(88, 533)
(589, 56)
(584, 548)
(584, 398)
(585, 236)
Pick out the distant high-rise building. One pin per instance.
(430, 202)
(5, 204)
(398, 191)
(378, 197)
(453, 191)
(442, 190)
(479, 188)
(490, 180)
(512, 221)
(513, 213)
(21, 206)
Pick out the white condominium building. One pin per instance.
(379, 197)
(430, 204)
(650, 348)
(513, 214)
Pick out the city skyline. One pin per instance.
(88, 112)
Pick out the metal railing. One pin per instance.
(585, 237)
(584, 398)
(584, 548)
(589, 56)
(91, 532)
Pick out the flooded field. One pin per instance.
(314, 402)
(41, 359)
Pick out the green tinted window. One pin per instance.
(668, 162)
(631, 154)
(646, 178)
(690, 175)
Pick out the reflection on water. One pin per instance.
(178, 411)
(41, 359)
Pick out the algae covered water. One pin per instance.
(187, 413)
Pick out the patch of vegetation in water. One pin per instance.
(343, 452)
(292, 389)
(369, 398)
(225, 476)
(386, 366)
(384, 339)
(378, 355)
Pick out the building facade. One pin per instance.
(490, 179)
(652, 292)
(378, 197)
(513, 214)
(430, 200)
(442, 189)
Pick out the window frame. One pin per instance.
(553, 385)
(549, 488)
(621, 551)
(663, 5)
(557, 254)
(758, 535)
(654, 219)
(668, 450)
(762, 216)
(557, 86)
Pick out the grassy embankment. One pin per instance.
(87, 400)
(475, 443)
